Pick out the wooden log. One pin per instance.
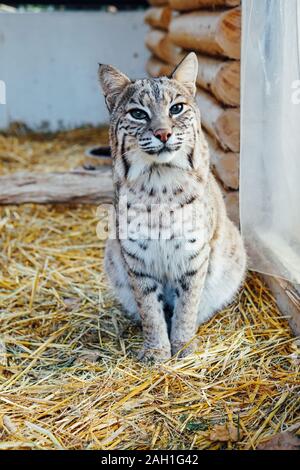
(221, 78)
(78, 186)
(185, 5)
(287, 296)
(158, 3)
(231, 199)
(232, 206)
(157, 68)
(225, 165)
(159, 43)
(222, 124)
(158, 17)
(215, 33)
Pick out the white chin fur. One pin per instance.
(162, 157)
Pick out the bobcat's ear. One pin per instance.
(113, 83)
(186, 72)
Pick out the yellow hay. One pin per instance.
(22, 151)
(68, 375)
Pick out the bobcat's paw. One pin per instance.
(154, 355)
(183, 350)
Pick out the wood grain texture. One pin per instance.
(225, 165)
(223, 124)
(78, 186)
(231, 199)
(221, 78)
(158, 3)
(158, 68)
(287, 297)
(216, 33)
(185, 5)
(159, 43)
(158, 17)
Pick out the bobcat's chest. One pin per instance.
(163, 225)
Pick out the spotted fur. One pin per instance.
(168, 278)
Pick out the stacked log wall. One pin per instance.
(212, 29)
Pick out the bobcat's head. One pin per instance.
(153, 119)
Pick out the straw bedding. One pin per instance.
(68, 374)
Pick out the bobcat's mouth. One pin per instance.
(163, 149)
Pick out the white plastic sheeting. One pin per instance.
(270, 136)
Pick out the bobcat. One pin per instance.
(173, 278)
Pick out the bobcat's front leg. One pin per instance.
(184, 321)
(149, 296)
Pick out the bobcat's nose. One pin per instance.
(163, 134)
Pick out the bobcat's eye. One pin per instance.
(138, 114)
(176, 108)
